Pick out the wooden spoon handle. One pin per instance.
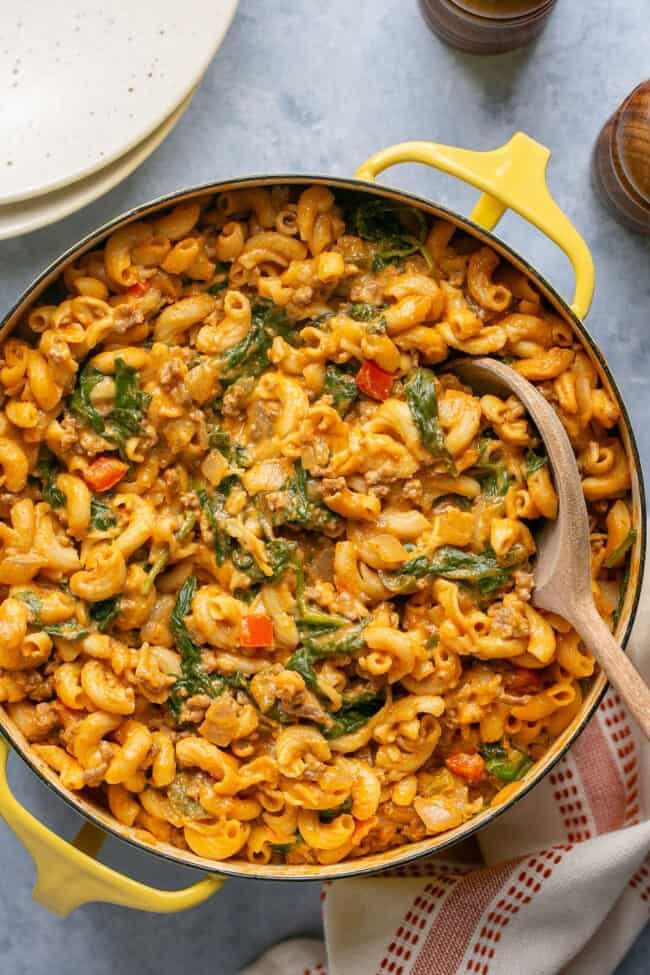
(619, 668)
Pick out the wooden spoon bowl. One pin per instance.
(562, 570)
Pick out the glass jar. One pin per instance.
(621, 161)
(487, 26)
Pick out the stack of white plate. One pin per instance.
(90, 89)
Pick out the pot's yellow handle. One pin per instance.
(512, 176)
(68, 875)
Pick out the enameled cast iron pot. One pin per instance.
(512, 176)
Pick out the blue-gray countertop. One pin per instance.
(309, 86)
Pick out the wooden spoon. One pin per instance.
(562, 570)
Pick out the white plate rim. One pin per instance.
(85, 191)
(140, 136)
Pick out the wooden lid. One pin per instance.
(502, 9)
(633, 139)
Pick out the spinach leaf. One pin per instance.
(104, 612)
(244, 561)
(220, 281)
(226, 485)
(179, 800)
(47, 470)
(33, 602)
(278, 714)
(102, 516)
(316, 620)
(315, 321)
(453, 563)
(490, 584)
(213, 507)
(67, 630)
(534, 462)
(496, 484)
(186, 528)
(193, 679)
(283, 848)
(300, 510)
(417, 568)
(129, 406)
(281, 555)
(161, 562)
(344, 641)
(217, 286)
(190, 653)
(622, 592)
(363, 312)
(219, 440)
(249, 357)
(233, 452)
(233, 682)
(130, 403)
(483, 570)
(341, 387)
(488, 434)
(247, 595)
(327, 815)
(352, 717)
(323, 635)
(455, 500)
(301, 661)
(621, 549)
(508, 767)
(81, 403)
(398, 231)
(420, 391)
(493, 474)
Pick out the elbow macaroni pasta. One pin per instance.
(265, 574)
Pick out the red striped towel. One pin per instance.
(564, 885)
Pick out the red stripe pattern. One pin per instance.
(402, 948)
(449, 936)
(571, 801)
(640, 882)
(624, 747)
(604, 787)
(528, 882)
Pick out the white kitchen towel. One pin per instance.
(564, 887)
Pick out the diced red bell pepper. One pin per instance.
(374, 381)
(256, 631)
(468, 766)
(104, 473)
(138, 289)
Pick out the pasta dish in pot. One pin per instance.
(266, 564)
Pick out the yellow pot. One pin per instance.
(512, 176)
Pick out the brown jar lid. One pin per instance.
(633, 140)
(501, 9)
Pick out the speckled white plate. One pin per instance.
(84, 81)
(40, 211)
